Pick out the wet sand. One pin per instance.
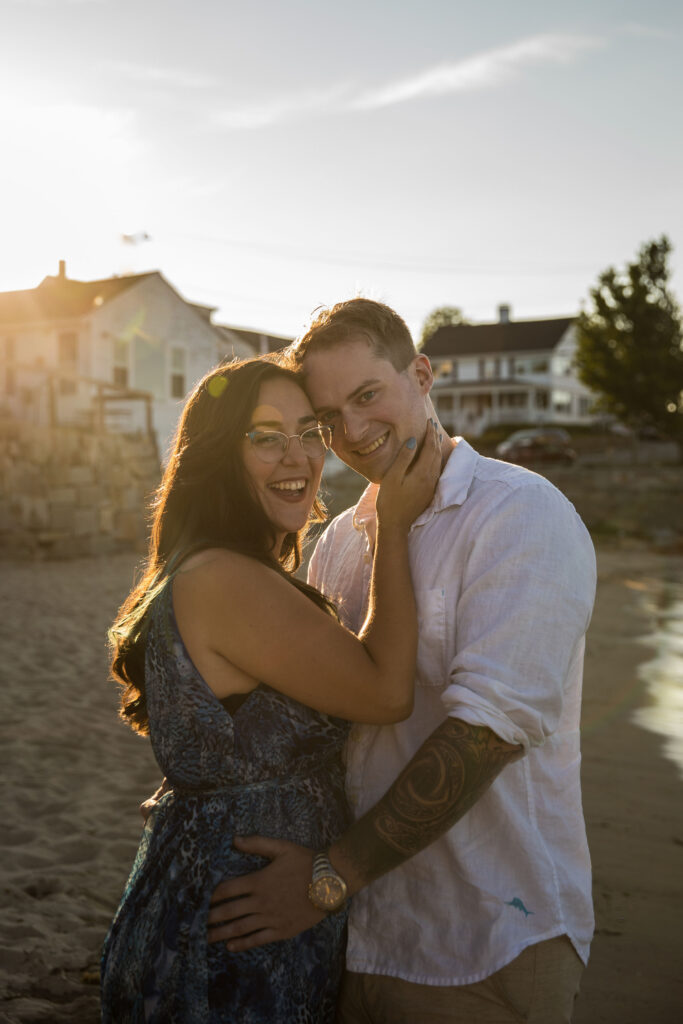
(633, 792)
(74, 777)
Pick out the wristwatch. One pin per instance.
(327, 890)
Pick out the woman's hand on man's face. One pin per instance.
(408, 486)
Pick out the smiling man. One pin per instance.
(467, 863)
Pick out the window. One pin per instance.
(67, 357)
(10, 372)
(178, 372)
(496, 367)
(513, 400)
(68, 349)
(528, 364)
(447, 370)
(585, 406)
(541, 399)
(562, 366)
(482, 369)
(511, 366)
(445, 403)
(562, 401)
(120, 373)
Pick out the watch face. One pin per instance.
(328, 892)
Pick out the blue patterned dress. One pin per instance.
(272, 768)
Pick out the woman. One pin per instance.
(245, 682)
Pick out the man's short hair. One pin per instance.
(386, 331)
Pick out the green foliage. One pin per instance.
(442, 316)
(630, 347)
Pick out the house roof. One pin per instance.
(481, 339)
(205, 312)
(253, 338)
(60, 298)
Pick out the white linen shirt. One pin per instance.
(504, 575)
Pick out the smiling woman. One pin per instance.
(243, 677)
(284, 468)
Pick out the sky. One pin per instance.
(269, 157)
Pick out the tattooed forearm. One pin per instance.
(447, 775)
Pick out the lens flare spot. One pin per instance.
(217, 386)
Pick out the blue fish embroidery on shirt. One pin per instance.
(518, 905)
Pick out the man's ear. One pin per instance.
(423, 373)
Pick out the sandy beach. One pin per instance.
(74, 776)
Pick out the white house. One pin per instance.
(512, 371)
(125, 350)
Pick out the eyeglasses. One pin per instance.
(272, 445)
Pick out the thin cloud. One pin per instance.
(283, 108)
(482, 71)
(175, 77)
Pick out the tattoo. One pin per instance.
(448, 774)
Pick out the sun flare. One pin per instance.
(67, 187)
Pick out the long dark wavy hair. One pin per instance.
(204, 500)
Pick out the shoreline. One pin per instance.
(632, 797)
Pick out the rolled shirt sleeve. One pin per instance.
(527, 595)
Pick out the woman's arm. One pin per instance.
(250, 616)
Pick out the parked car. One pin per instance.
(538, 444)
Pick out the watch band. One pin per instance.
(321, 867)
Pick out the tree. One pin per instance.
(630, 344)
(443, 316)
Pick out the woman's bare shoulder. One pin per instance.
(218, 566)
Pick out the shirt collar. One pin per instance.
(364, 512)
(452, 488)
(455, 480)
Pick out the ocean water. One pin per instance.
(663, 673)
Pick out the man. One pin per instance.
(471, 897)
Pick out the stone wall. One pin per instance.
(639, 502)
(67, 491)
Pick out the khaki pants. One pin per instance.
(538, 987)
